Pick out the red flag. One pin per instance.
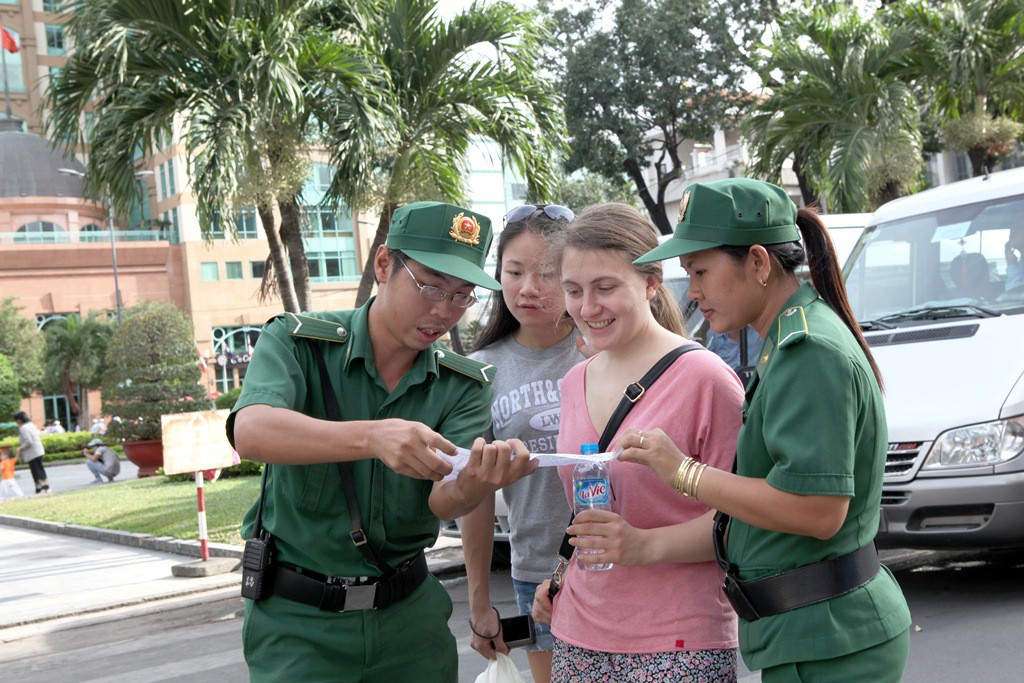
(8, 41)
(202, 361)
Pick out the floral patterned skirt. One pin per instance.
(571, 664)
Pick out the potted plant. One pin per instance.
(151, 371)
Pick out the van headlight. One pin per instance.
(979, 445)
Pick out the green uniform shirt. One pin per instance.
(305, 507)
(814, 424)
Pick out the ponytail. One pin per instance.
(827, 277)
(823, 264)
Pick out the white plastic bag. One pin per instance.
(500, 670)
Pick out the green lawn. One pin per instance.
(150, 506)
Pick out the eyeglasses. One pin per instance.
(552, 211)
(431, 293)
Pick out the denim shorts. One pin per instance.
(524, 598)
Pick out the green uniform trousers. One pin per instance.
(882, 663)
(408, 641)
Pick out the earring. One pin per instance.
(763, 283)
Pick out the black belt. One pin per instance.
(344, 594)
(794, 588)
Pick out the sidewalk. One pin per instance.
(57, 576)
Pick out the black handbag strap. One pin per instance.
(630, 396)
(358, 536)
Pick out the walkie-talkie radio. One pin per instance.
(257, 572)
(258, 556)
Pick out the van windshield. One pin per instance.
(961, 262)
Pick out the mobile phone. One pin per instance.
(519, 630)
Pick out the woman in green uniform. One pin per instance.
(803, 574)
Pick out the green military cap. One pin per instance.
(445, 237)
(734, 212)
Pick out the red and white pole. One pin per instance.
(202, 516)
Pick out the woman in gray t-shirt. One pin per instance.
(530, 340)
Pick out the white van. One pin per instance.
(944, 316)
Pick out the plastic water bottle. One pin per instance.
(592, 490)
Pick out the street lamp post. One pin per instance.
(110, 229)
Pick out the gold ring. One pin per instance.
(641, 440)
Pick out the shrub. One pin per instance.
(152, 371)
(227, 400)
(247, 468)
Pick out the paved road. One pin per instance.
(71, 475)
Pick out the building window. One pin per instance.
(51, 6)
(15, 77)
(41, 232)
(56, 408)
(209, 272)
(232, 348)
(962, 169)
(245, 223)
(90, 233)
(55, 40)
(171, 219)
(168, 187)
(257, 268)
(233, 270)
(332, 266)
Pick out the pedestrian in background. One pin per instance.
(30, 450)
(658, 614)
(8, 482)
(803, 572)
(529, 338)
(101, 461)
(350, 410)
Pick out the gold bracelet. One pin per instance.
(696, 481)
(688, 484)
(684, 468)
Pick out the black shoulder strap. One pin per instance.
(257, 529)
(630, 396)
(358, 536)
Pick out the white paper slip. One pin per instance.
(461, 458)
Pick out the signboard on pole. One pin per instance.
(196, 441)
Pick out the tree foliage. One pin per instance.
(246, 79)
(838, 101)
(23, 346)
(153, 371)
(10, 397)
(448, 81)
(643, 76)
(75, 358)
(971, 73)
(584, 188)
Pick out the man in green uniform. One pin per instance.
(350, 598)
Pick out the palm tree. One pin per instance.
(971, 57)
(247, 79)
(841, 108)
(450, 80)
(75, 358)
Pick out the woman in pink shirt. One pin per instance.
(659, 614)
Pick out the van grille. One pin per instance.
(894, 497)
(900, 458)
(914, 336)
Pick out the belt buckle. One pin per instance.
(360, 597)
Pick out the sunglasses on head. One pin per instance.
(553, 211)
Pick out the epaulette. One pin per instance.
(792, 326)
(481, 372)
(314, 328)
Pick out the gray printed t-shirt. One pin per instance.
(527, 406)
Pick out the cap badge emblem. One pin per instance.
(465, 229)
(682, 206)
(789, 312)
